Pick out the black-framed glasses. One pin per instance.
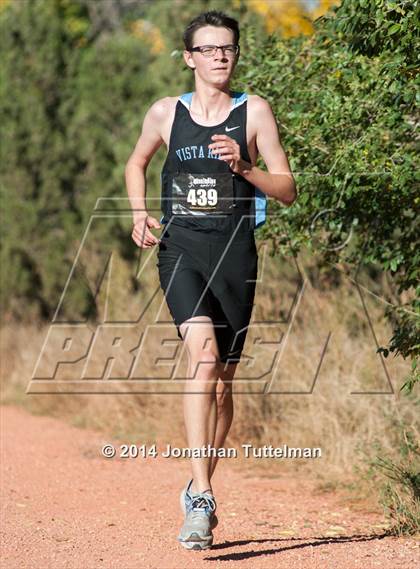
(211, 50)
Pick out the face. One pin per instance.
(218, 68)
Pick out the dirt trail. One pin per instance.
(64, 505)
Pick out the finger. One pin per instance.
(139, 230)
(150, 238)
(221, 137)
(138, 235)
(143, 234)
(140, 239)
(149, 242)
(139, 242)
(225, 144)
(225, 148)
(224, 152)
(221, 143)
(228, 152)
(153, 222)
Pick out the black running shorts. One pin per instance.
(210, 275)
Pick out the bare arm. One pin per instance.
(135, 173)
(278, 182)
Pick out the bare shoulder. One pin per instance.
(160, 116)
(258, 106)
(260, 115)
(160, 109)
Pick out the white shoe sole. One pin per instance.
(195, 542)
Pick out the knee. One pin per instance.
(207, 362)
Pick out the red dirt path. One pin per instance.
(64, 506)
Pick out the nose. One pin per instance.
(222, 52)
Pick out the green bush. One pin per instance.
(345, 100)
(71, 106)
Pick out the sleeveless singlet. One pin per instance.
(188, 153)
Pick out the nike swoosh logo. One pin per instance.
(227, 129)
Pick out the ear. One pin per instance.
(188, 59)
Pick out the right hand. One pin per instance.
(141, 234)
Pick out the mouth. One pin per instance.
(220, 69)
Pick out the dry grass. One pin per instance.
(298, 404)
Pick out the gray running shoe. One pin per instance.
(185, 499)
(196, 532)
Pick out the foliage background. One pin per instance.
(76, 78)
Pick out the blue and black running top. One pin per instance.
(195, 181)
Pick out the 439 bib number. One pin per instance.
(202, 197)
(202, 194)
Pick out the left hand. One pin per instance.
(229, 151)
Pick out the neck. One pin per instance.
(209, 102)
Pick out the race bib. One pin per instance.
(202, 194)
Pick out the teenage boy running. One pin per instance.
(213, 197)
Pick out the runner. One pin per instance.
(213, 198)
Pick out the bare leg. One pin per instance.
(200, 413)
(224, 410)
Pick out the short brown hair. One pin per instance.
(211, 18)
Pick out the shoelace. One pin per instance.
(200, 502)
